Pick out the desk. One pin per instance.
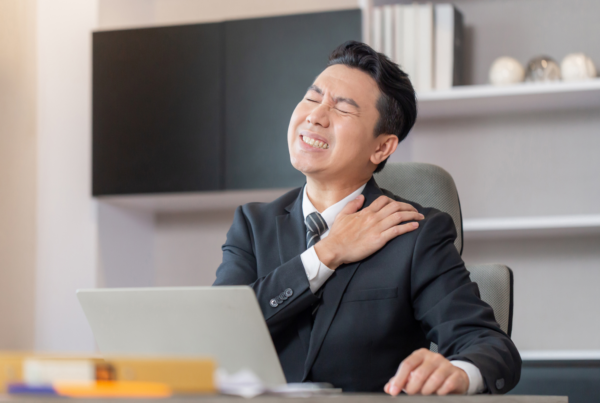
(344, 398)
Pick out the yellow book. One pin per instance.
(12, 364)
(11, 369)
(181, 375)
(112, 389)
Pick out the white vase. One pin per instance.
(506, 71)
(577, 67)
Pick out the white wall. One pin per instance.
(17, 173)
(526, 165)
(188, 246)
(66, 213)
(115, 14)
(125, 247)
(556, 289)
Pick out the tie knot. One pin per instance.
(315, 223)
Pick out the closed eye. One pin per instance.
(347, 112)
(312, 100)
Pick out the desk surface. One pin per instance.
(343, 398)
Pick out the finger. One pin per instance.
(407, 207)
(420, 375)
(450, 385)
(411, 362)
(379, 203)
(397, 218)
(353, 206)
(397, 230)
(395, 206)
(437, 378)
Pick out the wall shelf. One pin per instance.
(480, 100)
(192, 201)
(523, 227)
(551, 355)
(477, 228)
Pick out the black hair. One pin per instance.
(397, 104)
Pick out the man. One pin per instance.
(353, 281)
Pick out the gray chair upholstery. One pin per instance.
(495, 283)
(426, 184)
(431, 186)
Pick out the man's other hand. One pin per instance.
(356, 235)
(427, 373)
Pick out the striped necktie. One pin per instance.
(315, 227)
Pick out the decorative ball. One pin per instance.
(577, 67)
(506, 70)
(542, 69)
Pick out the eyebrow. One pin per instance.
(349, 101)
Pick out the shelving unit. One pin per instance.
(522, 227)
(519, 98)
(486, 100)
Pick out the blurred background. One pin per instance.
(130, 130)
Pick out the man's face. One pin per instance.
(331, 132)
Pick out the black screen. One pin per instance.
(205, 106)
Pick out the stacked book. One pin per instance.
(93, 376)
(424, 39)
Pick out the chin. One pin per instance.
(304, 166)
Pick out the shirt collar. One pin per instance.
(332, 211)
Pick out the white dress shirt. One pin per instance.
(318, 273)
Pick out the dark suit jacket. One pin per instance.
(373, 313)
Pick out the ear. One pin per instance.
(387, 144)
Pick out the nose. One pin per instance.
(319, 116)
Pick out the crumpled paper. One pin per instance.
(243, 383)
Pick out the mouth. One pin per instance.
(316, 143)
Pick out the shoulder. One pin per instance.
(426, 211)
(435, 220)
(259, 219)
(277, 207)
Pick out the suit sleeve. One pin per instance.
(239, 267)
(448, 305)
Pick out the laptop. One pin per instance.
(223, 323)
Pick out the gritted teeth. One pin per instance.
(315, 143)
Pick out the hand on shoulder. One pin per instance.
(356, 234)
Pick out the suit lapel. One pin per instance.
(332, 295)
(291, 237)
(333, 292)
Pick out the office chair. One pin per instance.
(431, 186)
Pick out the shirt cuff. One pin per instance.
(476, 384)
(316, 272)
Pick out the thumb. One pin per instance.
(353, 206)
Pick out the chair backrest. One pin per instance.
(431, 186)
(426, 184)
(495, 282)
